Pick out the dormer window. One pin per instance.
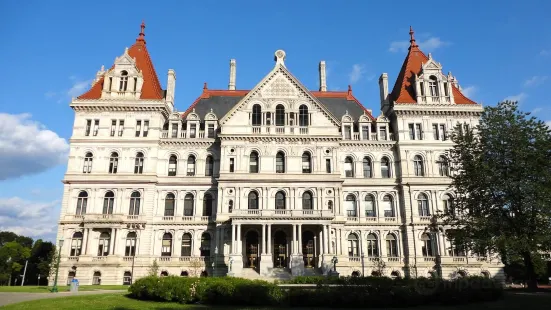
(433, 86)
(303, 116)
(123, 85)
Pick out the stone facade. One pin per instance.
(278, 178)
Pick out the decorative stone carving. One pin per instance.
(280, 87)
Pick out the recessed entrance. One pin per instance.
(251, 243)
(280, 250)
(308, 249)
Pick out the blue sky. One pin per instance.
(52, 49)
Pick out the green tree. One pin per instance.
(501, 174)
(12, 257)
(154, 269)
(7, 236)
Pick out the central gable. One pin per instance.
(279, 86)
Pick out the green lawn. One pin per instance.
(44, 289)
(121, 302)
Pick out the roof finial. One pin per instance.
(205, 88)
(350, 89)
(412, 37)
(142, 33)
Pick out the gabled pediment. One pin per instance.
(127, 63)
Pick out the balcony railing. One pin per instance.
(184, 134)
(282, 213)
(186, 218)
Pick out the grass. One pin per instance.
(64, 288)
(121, 302)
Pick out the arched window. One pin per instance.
(172, 165)
(190, 165)
(207, 205)
(427, 246)
(253, 162)
(96, 279)
(280, 200)
(306, 163)
(456, 248)
(394, 275)
(370, 206)
(184, 274)
(170, 204)
(166, 245)
(108, 202)
(164, 273)
(127, 278)
(253, 200)
(303, 116)
(353, 245)
(82, 202)
(307, 201)
(130, 247)
(372, 245)
(423, 205)
(209, 166)
(280, 115)
(88, 159)
(76, 244)
(349, 167)
(388, 206)
(418, 166)
(280, 162)
(138, 163)
(257, 115)
(351, 206)
(186, 244)
(103, 245)
(188, 205)
(391, 246)
(433, 86)
(367, 167)
(385, 167)
(134, 204)
(123, 85)
(113, 162)
(205, 244)
(447, 203)
(443, 168)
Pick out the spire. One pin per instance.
(142, 33)
(412, 42)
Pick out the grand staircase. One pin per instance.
(275, 274)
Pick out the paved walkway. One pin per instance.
(12, 298)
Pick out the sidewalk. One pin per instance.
(12, 298)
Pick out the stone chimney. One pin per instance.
(323, 80)
(231, 85)
(170, 86)
(383, 88)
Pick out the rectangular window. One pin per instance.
(96, 127)
(138, 128)
(232, 164)
(210, 131)
(328, 165)
(418, 132)
(382, 133)
(365, 132)
(422, 86)
(446, 90)
(435, 134)
(443, 132)
(88, 127)
(192, 130)
(411, 132)
(347, 132)
(121, 127)
(113, 127)
(145, 128)
(174, 130)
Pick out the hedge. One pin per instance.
(367, 292)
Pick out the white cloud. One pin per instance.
(535, 81)
(78, 88)
(35, 219)
(427, 45)
(357, 73)
(548, 123)
(536, 110)
(27, 147)
(545, 53)
(469, 91)
(519, 98)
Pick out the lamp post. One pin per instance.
(54, 289)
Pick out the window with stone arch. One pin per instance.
(385, 167)
(350, 202)
(280, 115)
(372, 245)
(135, 199)
(82, 202)
(388, 206)
(103, 244)
(172, 165)
(303, 117)
(307, 201)
(427, 247)
(207, 204)
(391, 245)
(190, 166)
(370, 206)
(123, 85)
(113, 162)
(96, 279)
(186, 244)
(130, 246)
(138, 163)
(253, 200)
(367, 167)
(205, 244)
(88, 159)
(170, 204)
(443, 167)
(306, 162)
(280, 162)
(108, 203)
(209, 166)
(433, 86)
(418, 166)
(349, 167)
(280, 200)
(423, 205)
(353, 245)
(76, 244)
(188, 204)
(166, 245)
(253, 162)
(447, 204)
(256, 117)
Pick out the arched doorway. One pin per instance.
(251, 246)
(308, 249)
(280, 249)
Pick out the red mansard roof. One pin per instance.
(403, 91)
(151, 88)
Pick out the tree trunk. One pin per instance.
(532, 280)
